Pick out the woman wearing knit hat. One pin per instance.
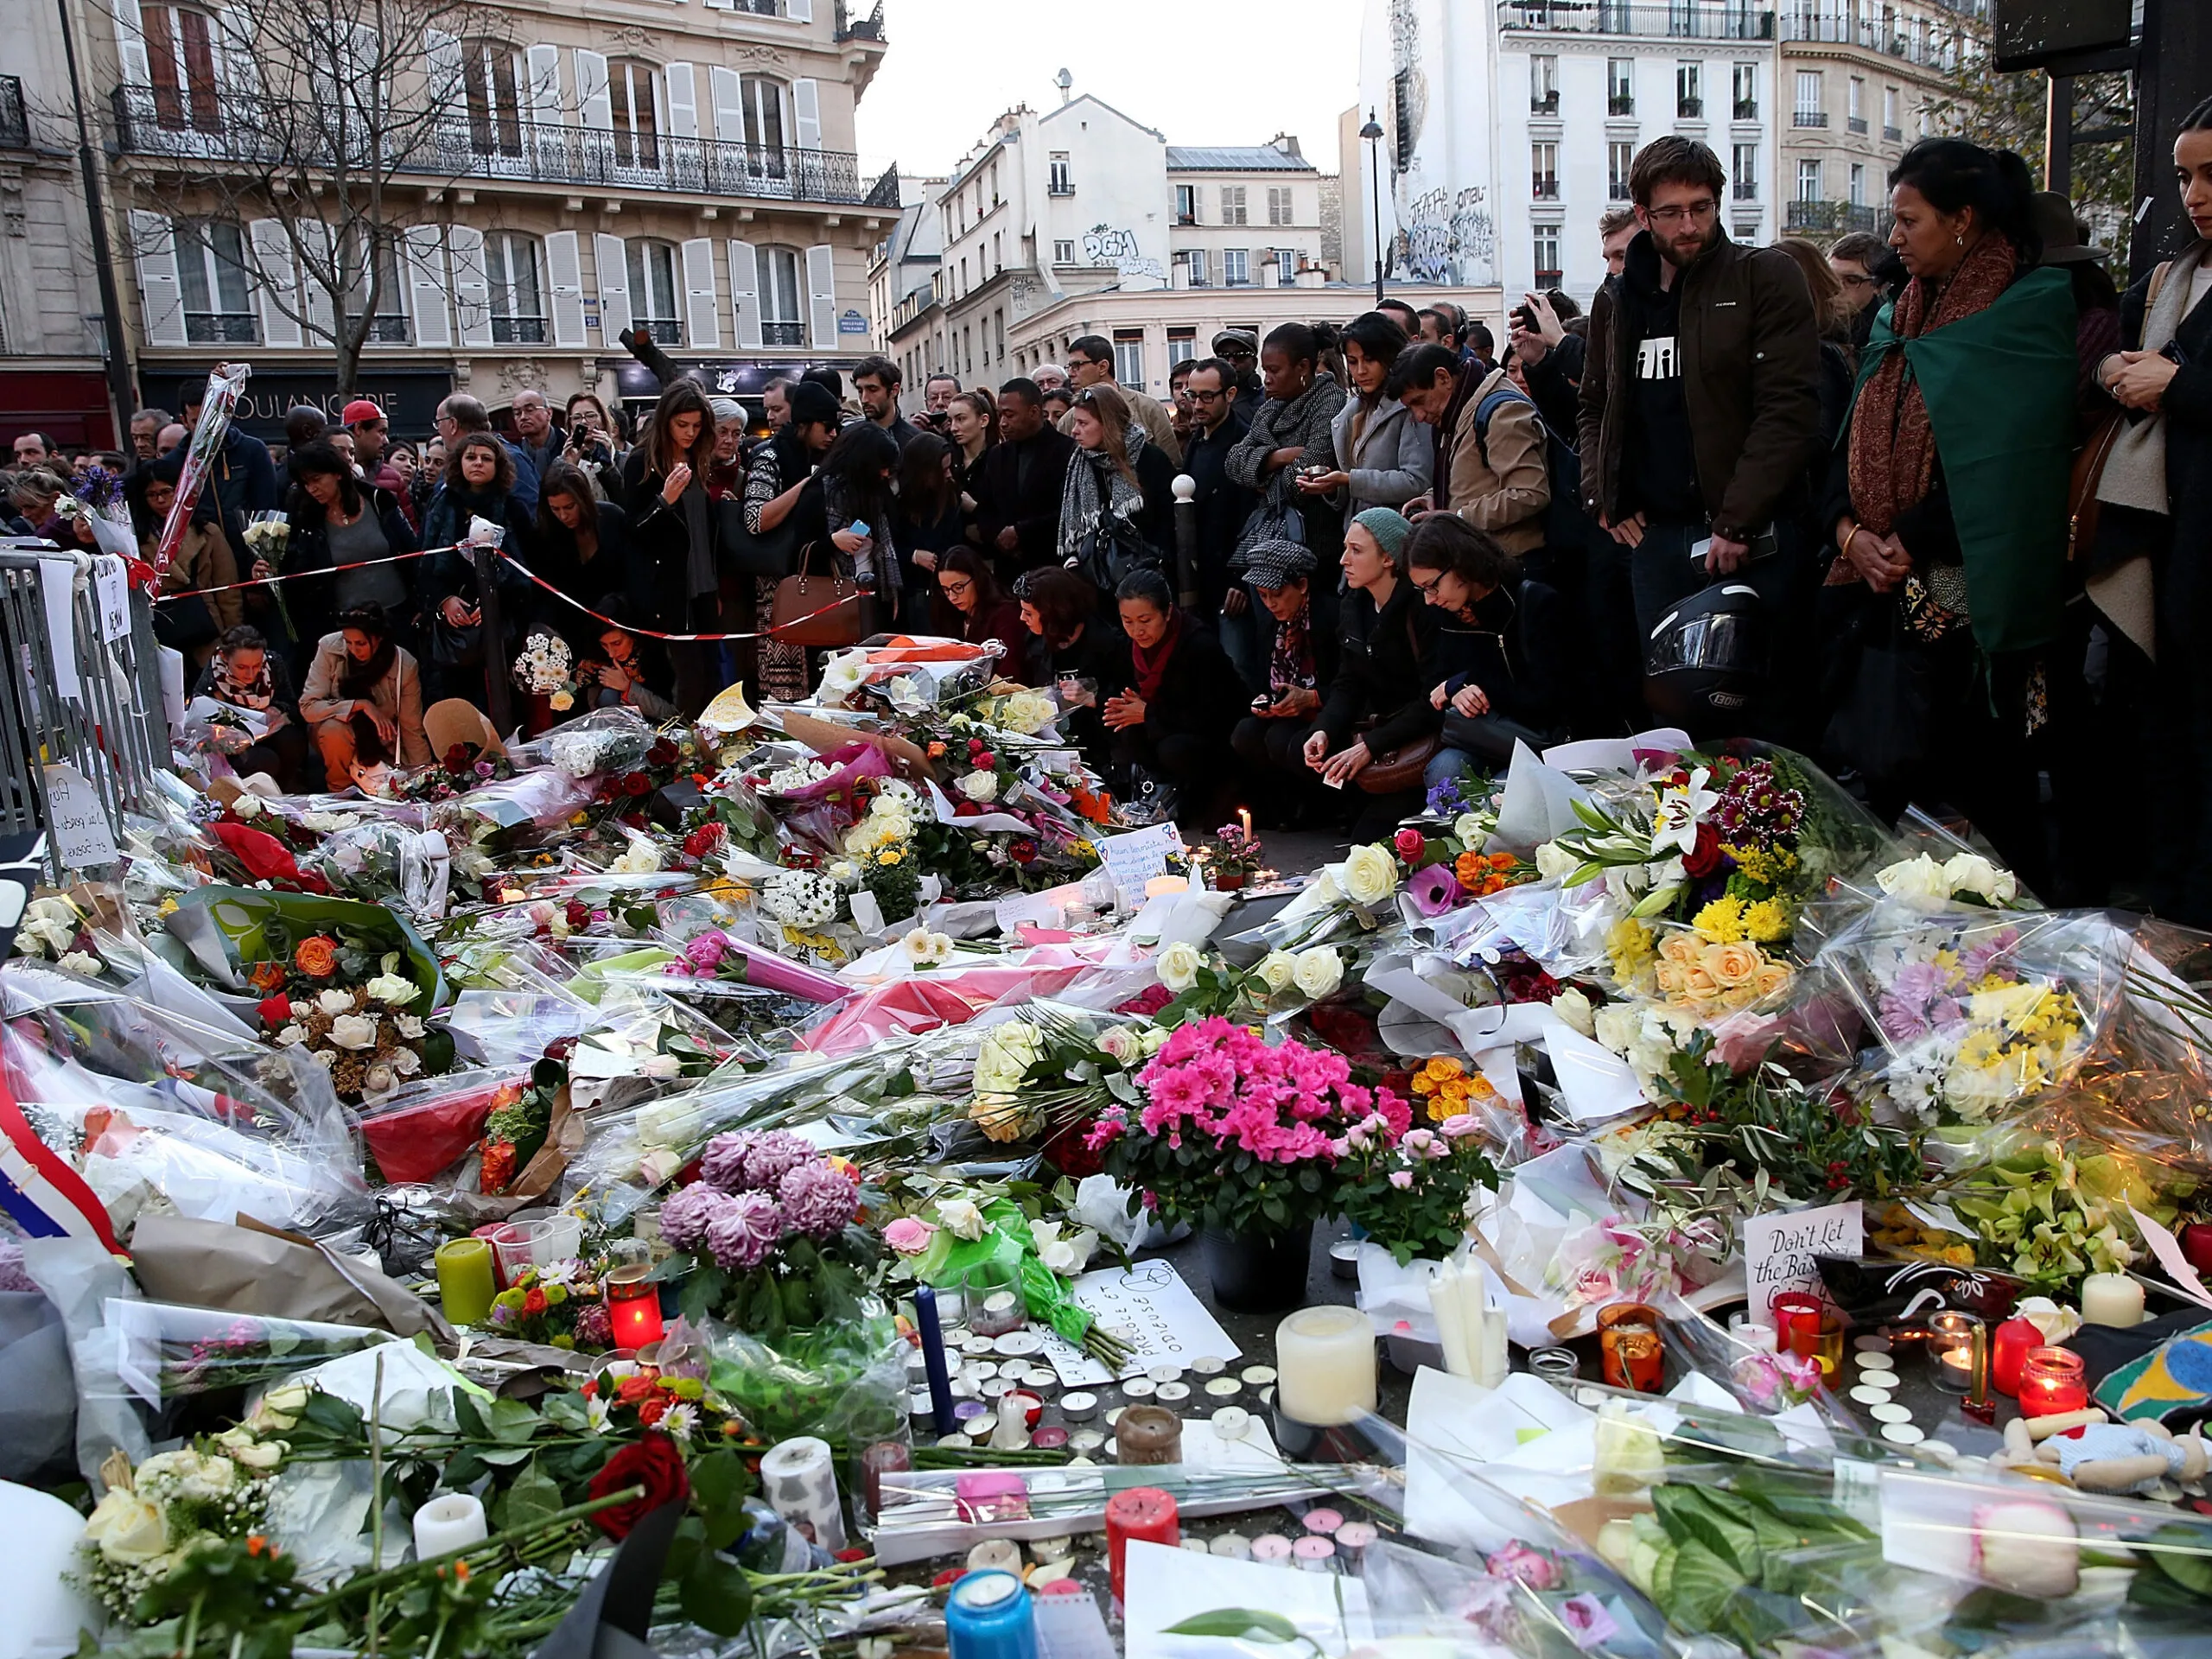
(1386, 643)
(1301, 666)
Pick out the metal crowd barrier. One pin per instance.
(115, 732)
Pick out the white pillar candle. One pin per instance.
(448, 1524)
(799, 1477)
(2112, 1299)
(1326, 1358)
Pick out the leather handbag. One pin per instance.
(820, 612)
(2082, 507)
(1395, 770)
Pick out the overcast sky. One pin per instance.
(1247, 69)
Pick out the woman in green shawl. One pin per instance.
(1947, 496)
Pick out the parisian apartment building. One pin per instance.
(1808, 105)
(686, 169)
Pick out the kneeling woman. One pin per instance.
(1501, 650)
(1301, 661)
(363, 699)
(1186, 698)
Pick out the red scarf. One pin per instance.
(1151, 665)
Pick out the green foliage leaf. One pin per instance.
(715, 1595)
(531, 1498)
(1237, 1623)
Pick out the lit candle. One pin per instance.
(2050, 1382)
(634, 1306)
(1245, 818)
(2112, 1299)
(1146, 1435)
(1326, 1357)
(989, 1616)
(448, 1524)
(1951, 1350)
(1629, 1351)
(1161, 885)
(465, 1279)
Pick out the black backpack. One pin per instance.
(1564, 524)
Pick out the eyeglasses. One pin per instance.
(1857, 281)
(1705, 209)
(1200, 394)
(1428, 590)
(958, 588)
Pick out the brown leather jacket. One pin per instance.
(1750, 378)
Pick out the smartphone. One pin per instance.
(859, 527)
(1262, 703)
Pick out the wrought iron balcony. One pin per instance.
(15, 125)
(1684, 20)
(1928, 49)
(1834, 218)
(265, 133)
(1808, 118)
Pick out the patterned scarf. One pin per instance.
(1892, 447)
(1290, 664)
(1094, 489)
(256, 693)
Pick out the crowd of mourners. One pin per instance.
(1935, 509)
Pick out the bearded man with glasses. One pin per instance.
(1700, 405)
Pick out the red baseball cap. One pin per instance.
(359, 410)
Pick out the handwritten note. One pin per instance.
(56, 580)
(1134, 858)
(1153, 1310)
(113, 589)
(77, 821)
(1779, 1251)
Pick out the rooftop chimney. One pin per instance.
(1287, 144)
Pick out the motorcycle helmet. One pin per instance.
(1705, 666)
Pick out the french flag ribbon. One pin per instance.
(38, 1189)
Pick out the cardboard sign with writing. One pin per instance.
(79, 825)
(1134, 858)
(113, 589)
(1779, 1250)
(1154, 1311)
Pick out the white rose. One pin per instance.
(247, 806)
(1468, 829)
(642, 858)
(1278, 970)
(126, 1527)
(980, 786)
(55, 936)
(279, 1409)
(291, 1035)
(394, 990)
(962, 1217)
(324, 823)
(354, 1031)
(381, 1080)
(1318, 971)
(212, 1480)
(903, 690)
(1572, 1006)
(1179, 966)
(1914, 878)
(80, 961)
(334, 1002)
(1121, 1044)
(1371, 874)
(845, 873)
(255, 1455)
(661, 1065)
(59, 912)
(1972, 873)
(1617, 1025)
(1555, 862)
(409, 1027)
(406, 1062)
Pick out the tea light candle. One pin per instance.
(1951, 1348)
(1142, 1512)
(1079, 1406)
(1148, 1435)
(2112, 1299)
(1313, 1554)
(448, 1524)
(1325, 1358)
(2050, 1382)
(1232, 1546)
(1271, 1547)
(465, 1281)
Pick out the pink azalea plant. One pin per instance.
(1240, 1135)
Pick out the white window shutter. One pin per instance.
(821, 295)
(322, 315)
(745, 292)
(426, 282)
(564, 275)
(799, 11)
(702, 326)
(446, 72)
(161, 294)
(806, 113)
(131, 44)
(276, 285)
(239, 74)
(472, 284)
(683, 101)
(593, 102)
(541, 64)
(729, 93)
(614, 288)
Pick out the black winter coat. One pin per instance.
(1031, 504)
(1385, 671)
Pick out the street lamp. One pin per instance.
(1371, 134)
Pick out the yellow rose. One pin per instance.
(1731, 965)
(1680, 948)
(127, 1528)
(1772, 977)
(1699, 986)
(1669, 976)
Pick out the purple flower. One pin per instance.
(1435, 890)
(1587, 1621)
(773, 1156)
(686, 1217)
(593, 1328)
(817, 1200)
(723, 1163)
(745, 1231)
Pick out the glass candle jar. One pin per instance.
(1145, 1435)
(992, 1291)
(1951, 1350)
(1555, 1365)
(2050, 1380)
(1629, 1353)
(633, 1298)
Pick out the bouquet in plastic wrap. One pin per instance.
(843, 1382)
(226, 385)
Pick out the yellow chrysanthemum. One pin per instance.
(1721, 921)
(1767, 921)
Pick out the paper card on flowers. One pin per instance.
(1150, 1307)
(1594, 1083)
(1525, 1437)
(1613, 754)
(1780, 1251)
(1538, 803)
(1133, 859)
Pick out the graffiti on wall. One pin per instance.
(1446, 237)
(1104, 246)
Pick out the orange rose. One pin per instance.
(1679, 947)
(1669, 976)
(1772, 977)
(1445, 1066)
(1731, 965)
(1469, 869)
(267, 976)
(317, 956)
(1699, 986)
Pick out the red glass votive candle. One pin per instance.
(1629, 1348)
(2050, 1382)
(881, 1459)
(2009, 1349)
(1791, 1309)
(2197, 1245)
(1142, 1512)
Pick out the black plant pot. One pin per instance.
(1258, 1273)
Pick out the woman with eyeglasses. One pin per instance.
(971, 592)
(1501, 650)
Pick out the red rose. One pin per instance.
(703, 840)
(986, 759)
(632, 1389)
(654, 1464)
(1705, 858)
(636, 783)
(1409, 843)
(277, 1011)
(652, 1411)
(533, 1300)
(578, 914)
(1022, 850)
(662, 753)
